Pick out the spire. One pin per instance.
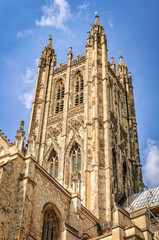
(97, 20)
(97, 27)
(47, 55)
(50, 41)
(121, 68)
(112, 65)
(121, 60)
(70, 56)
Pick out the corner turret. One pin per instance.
(112, 65)
(48, 55)
(121, 68)
(97, 27)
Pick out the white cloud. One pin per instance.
(83, 6)
(27, 99)
(55, 14)
(23, 33)
(28, 84)
(151, 167)
(111, 22)
(110, 18)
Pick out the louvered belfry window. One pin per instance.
(79, 85)
(60, 92)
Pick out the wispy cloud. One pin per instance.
(83, 6)
(27, 99)
(110, 18)
(111, 22)
(55, 14)
(27, 91)
(23, 33)
(151, 167)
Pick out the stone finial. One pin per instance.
(97, 19)
(89, 34)
(70, 56)
(112, 65)
(50, 41)
(31, 143)
(70, 50)
(121, 60)
(20, 137)
(88, 39)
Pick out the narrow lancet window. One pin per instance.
(75, 165)
(81, 98)
(52, 164)
(51, 169)
(61, 107)
(77, 100)
(60, 97)
(77, 86)
(78, 89)
(57, 108)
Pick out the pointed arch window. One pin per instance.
(75, 154)
(60, 92)
(53, 164)
(75, 165)
(78, 89)
(81, 84)
(50, 226)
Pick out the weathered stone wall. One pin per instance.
(26, 189)
(11, 196)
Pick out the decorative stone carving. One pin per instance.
(55, 131)
(55, 119)
(114, 122)
(34, 126)
(75, 111)
(75, 124)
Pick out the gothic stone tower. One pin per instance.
(83, 128)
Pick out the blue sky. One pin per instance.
(131, 26)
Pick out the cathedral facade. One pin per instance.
(81, 161)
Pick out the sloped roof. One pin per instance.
(142, 199)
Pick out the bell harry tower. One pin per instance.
(83, 128)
